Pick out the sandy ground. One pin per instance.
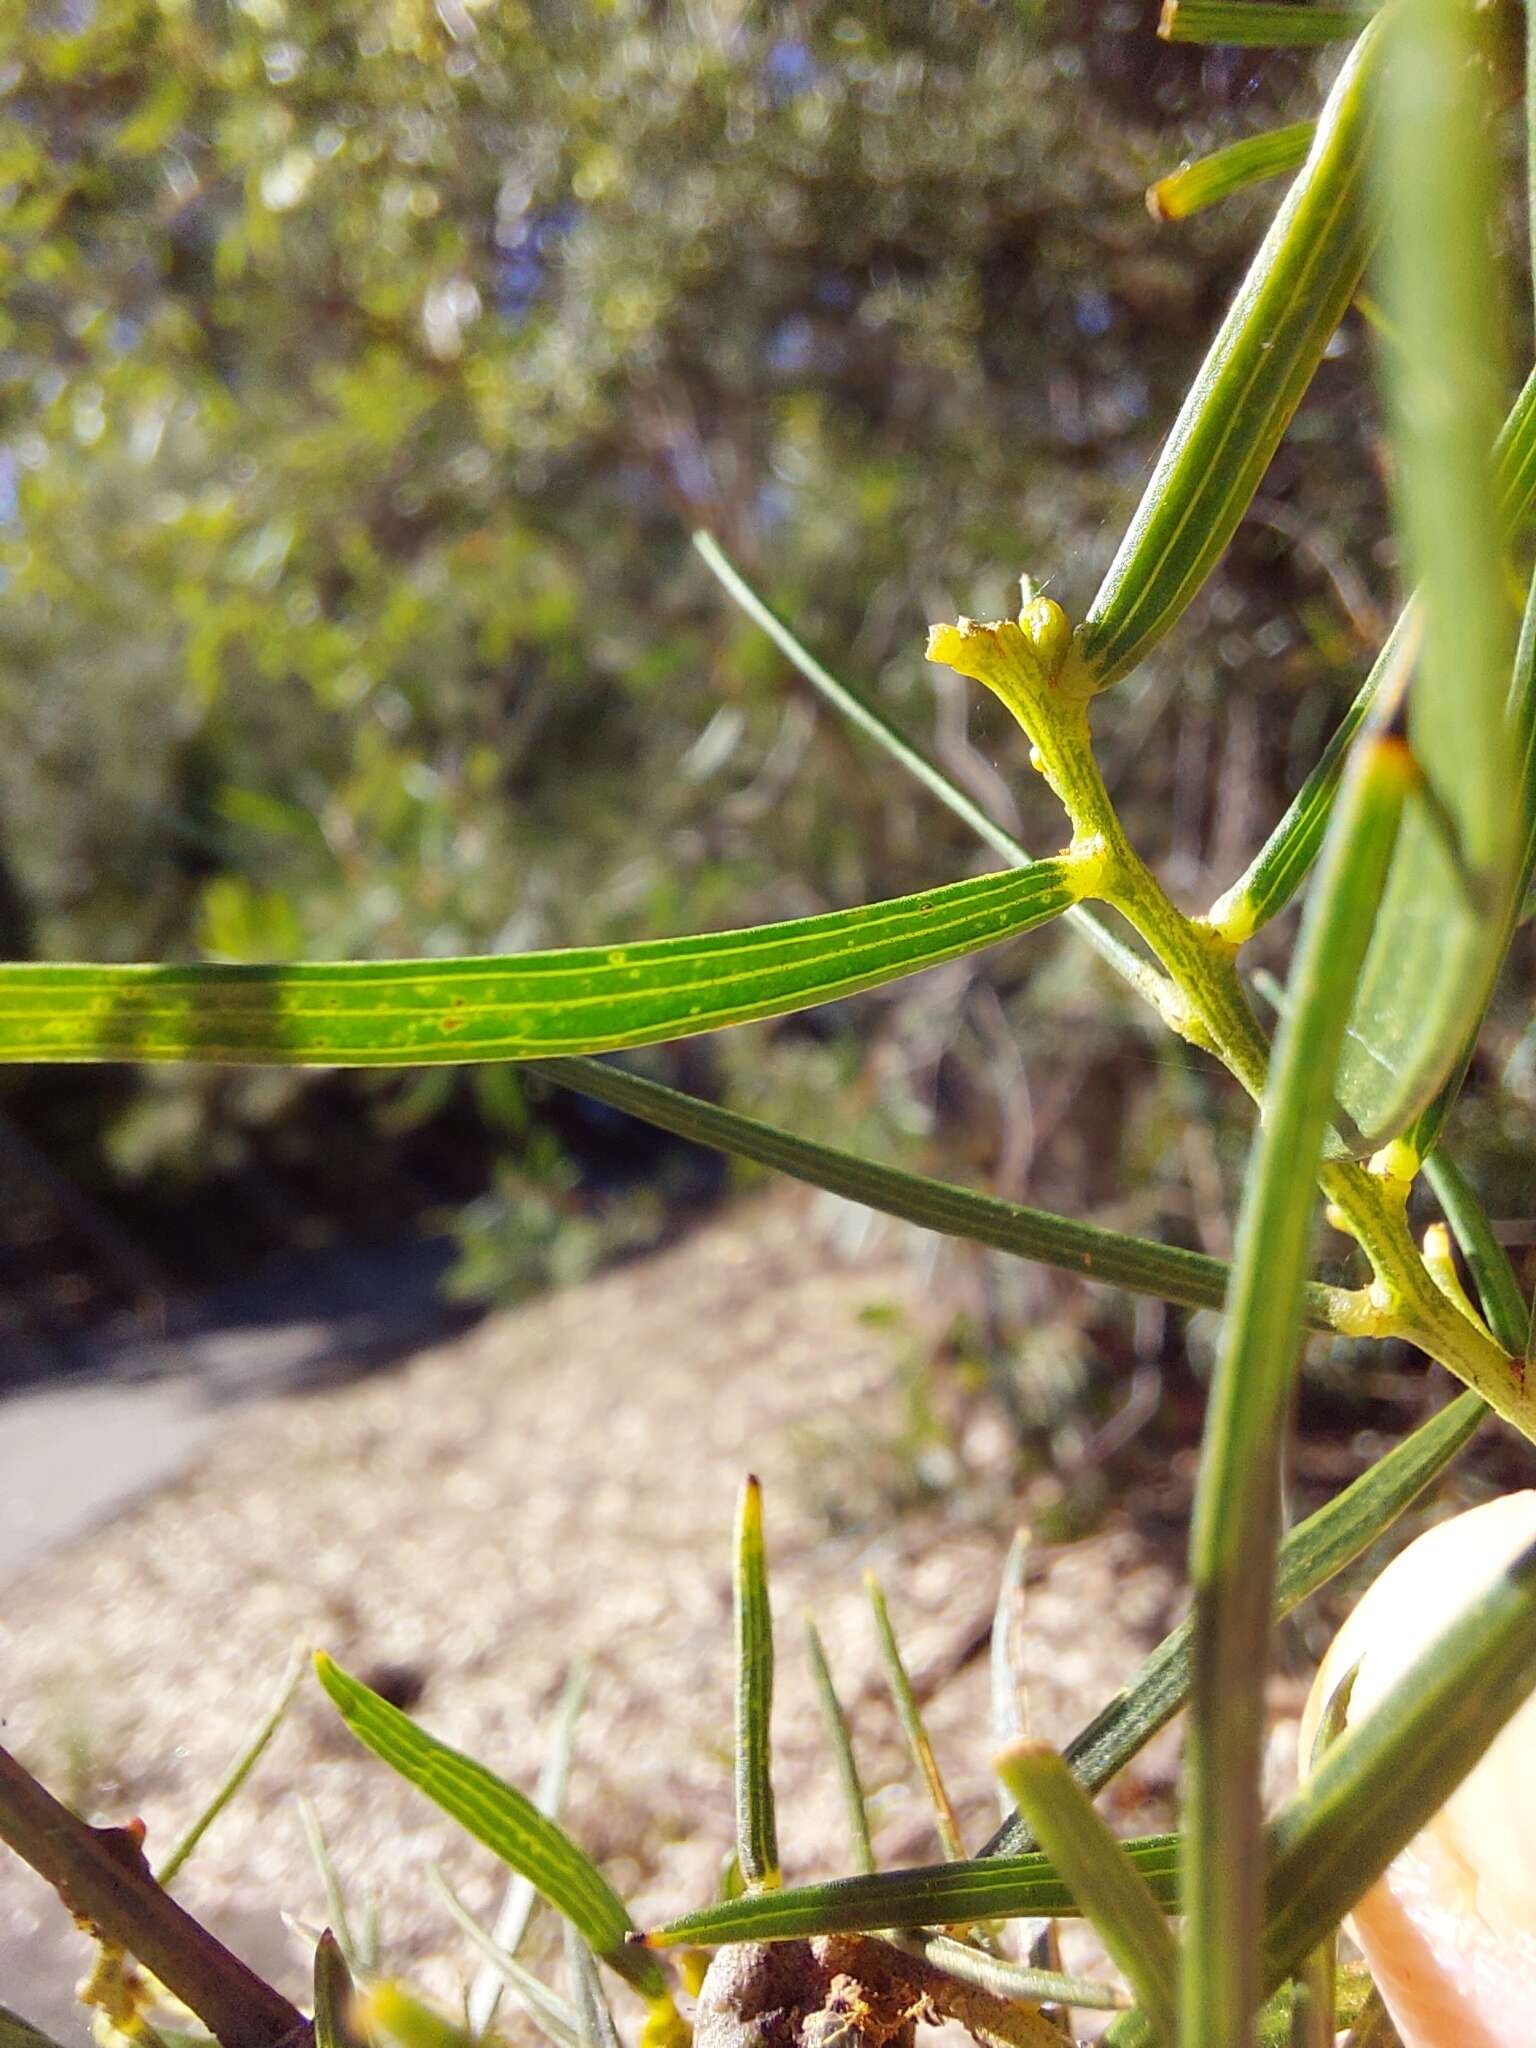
(558, 1484)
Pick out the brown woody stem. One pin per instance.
(102, 1877)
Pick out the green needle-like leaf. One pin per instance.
(1280, 866)
(842, 1749)
(594, 2021)
(1010, 1720)
(1444, 920)
(1109, 1888)
(1255, 25)
(910, 1715)
(937, 1895)
(1314, 1552)
(1107, 1256)
(237, 1773)
(1284, 861)
(517, 1904)
(1011, 1980)
(552, 2014)
(497, 1814)
(333, 1996)
(1250, 384)
(1235, 1534)
(1241, 164)
(1498, 1291)
(757, 1842)
(410, 1013)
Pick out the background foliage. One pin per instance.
(368, 365)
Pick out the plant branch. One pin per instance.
(102, 1877)
(1031, 665)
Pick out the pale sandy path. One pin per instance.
(557, 1484)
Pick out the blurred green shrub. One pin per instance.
(369, 364)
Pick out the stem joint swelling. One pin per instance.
(1032, 665)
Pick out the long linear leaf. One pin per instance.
(517, 1903)
(594, 2020)
(333, 1996)
(550, 2013)
(1235, 1533)
(1240, 165)
(1504, 1306)
(1250, 384)
(1110, 1889)
(1314, 1552)
(1138, 972)
(1280, 866)
(1424, 1133)
(836, 1722)
(497, 1814)
(1285, 859)
(1443, 927)
(237, 1773)
(757, 1841)
(938, 1894)
(1011, 1980)
(1255, 25)
(1108, 1256)
(431, 1012)
(910, 1715)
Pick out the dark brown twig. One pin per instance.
(102, 1877)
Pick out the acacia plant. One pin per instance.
(1412, 841)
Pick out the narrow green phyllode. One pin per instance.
(757, 1842)
(1258, 24)
(1442, 930)
(1109, 1889)
(1236, 1533)
(1250, 384)
(1210, 179)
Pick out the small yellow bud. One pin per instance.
(1046, 628)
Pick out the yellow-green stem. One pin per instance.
(1030, 664)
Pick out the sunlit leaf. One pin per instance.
(1107, 1256)
(1109, 1888)
(405, 1013)
(757, 1844)
(910, 1715)
(333, 1996)
(1257, 25)
(1442, 929)
(1210, 179)
(500, 1816)
(836, 1722)
(1250, 384)
(1235, 1530)
(941, 1894)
